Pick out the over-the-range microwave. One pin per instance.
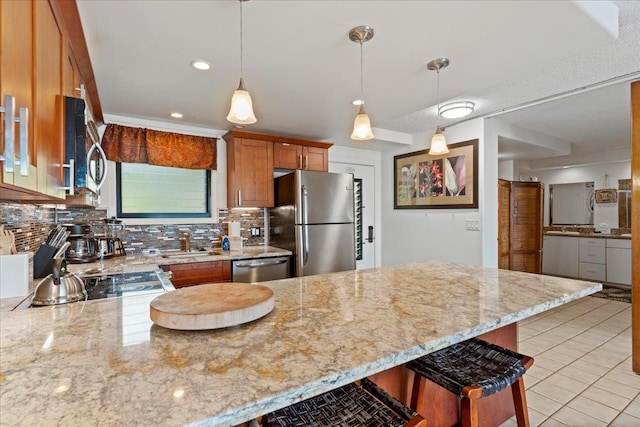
(85, 160)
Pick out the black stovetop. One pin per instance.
(124, 284)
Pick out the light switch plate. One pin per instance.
(472, 225)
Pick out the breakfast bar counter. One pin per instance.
(104, 363)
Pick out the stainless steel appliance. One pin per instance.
(260, 269)
(109, 247)
(83, 246)
(100, 285)
(313, 218)
(109, 243)
(87, 167)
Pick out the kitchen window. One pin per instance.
(148, 191)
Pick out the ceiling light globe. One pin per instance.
(201, 65)
(241, 111)
(438, 144)
(455, 110)
(362, 127)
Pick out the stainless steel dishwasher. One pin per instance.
(260, 269)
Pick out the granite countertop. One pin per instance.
(105, 363)
(140, 262)
(626, 236)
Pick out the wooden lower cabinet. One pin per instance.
(197, 273)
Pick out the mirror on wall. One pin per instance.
(571, 204)
(624, 203)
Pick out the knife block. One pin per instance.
(43, 261)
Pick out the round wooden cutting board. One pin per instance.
(211, 306)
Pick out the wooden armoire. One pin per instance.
(520, 216)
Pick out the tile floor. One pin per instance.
(582, 372)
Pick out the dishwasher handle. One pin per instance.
(253, 264)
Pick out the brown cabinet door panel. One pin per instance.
(16, 75)
(198, 273)
(287, 156)
(315, 159)
(250, 173)
(48, 100)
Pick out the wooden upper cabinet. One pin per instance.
(287, 156)
(315, 158)
(249, 172)
(294, 156)
(16, 76)
(48, 100)
(43, 57)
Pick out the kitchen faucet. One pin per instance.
(185, 242)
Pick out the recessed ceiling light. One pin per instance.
(358, 102)
(201, 65)
(176, 115)
(456, 110)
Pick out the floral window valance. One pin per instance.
(139, 145)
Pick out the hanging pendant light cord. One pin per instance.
(241, 74)
(438, 98)
(361, 74)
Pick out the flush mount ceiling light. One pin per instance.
(362, 124)
(241, 111)
(176, 115)
(455, 110)
(201, 65)
(438, 141)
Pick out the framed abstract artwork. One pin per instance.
(444, 181)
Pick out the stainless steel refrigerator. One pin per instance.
(313, 218)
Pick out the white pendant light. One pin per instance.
(241, 111)
(361, 125)
(438, 141)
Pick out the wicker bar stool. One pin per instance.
(474, 369)
(347, 406)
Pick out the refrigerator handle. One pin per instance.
(305, 220)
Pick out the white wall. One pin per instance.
(602, 212)
(436, 234)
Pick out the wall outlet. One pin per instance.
(255, 231)
(472, 225)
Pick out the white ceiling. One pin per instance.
(303, 71)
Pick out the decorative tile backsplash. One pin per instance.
(31, 225)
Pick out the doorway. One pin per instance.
(365, 210)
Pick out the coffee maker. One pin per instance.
(109, 243)
(83, 247)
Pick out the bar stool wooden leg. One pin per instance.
(415, 391)
(469, 405)
(520, 403)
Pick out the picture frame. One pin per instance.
(444, 181)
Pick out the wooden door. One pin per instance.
(504, 221)
(16, 75)
(315, 158)
(287, 156)
(635, 221)
(526, 206)
(250, 178)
